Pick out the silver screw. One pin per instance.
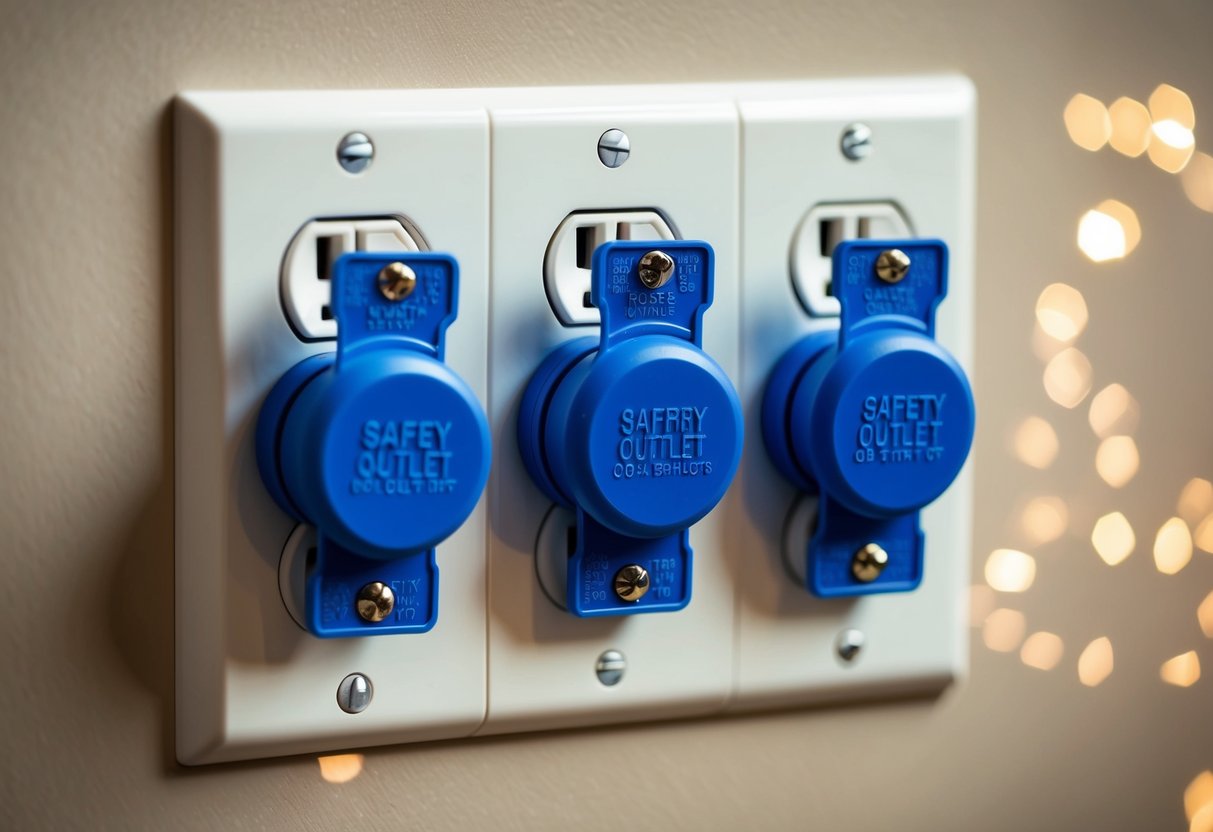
(614, 148)
(848, 644)
(631, 582)
(656, 269)
(397, 281)
(375, 602)
(892, 265)
(354, 694)
(856, 141)
(869, 562)
(355, 152)
(610, 667)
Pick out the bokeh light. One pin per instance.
(1113, 411)
(1042, 650)
(1044, 519)
(1197, 180)
(1113, 538)
(1172, 546)
(1198, 802)
(1117, 460)
(1009, 570)
(1061, 311)
(1182, 671)
(1095, 662)
(1204, 614)
(1067, 378)
(1003, 630)
(1036, 443)
(1195, 500)
(1087, 122)
(1203, 537)
(340, 768)
(1171, 145)
(1109, 231)
(1168, 103)
(1130, 126)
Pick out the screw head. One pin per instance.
(631, 582)
(869, 562)
(375, 602)
(355, 152)
(354, 694)
(614, 147)
(856, 141)
(848, 644)
(656, 269)
(397, 281)
(892, 265)
(610, 667)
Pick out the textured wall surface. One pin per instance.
(86, 425)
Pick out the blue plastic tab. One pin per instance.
(877, 417)
(382, 447)
(640, 432)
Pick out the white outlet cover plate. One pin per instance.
(252, 168)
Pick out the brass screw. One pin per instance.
(869, 562)
(656, 269)
(892, 265)
(397, 281)
(631, 582)
(375, 602)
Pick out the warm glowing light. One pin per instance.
(1087, 122)
(1113, 538)
(1045, 519)
(1003, 630)
(1061, 311)
(1067, 378)
(1199, 794)
(1101, 237)
(1117, 460)
(1044, 345)
(1197, 180)
(1009, 570)
(340, 768)
(1113, 411)
(1171, 145)
(1181, 671)
(1196, 500)
(1204, 614)
(981, 603)
(1036, 443)
(1095, 662)
(1203, 538)
(1172, 546)
(1202, 821)
(1173, 104)
(1130, 126)
(1042, 650)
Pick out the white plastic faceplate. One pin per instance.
(736, 165)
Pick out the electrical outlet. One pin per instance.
(825, 226)
(253, 169)
(566, 263)
(547, 173)
(794, 647)
(307, 268)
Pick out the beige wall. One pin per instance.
(86, 424)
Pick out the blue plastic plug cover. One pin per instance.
(876, 416)
(382, 447)
(641, 432)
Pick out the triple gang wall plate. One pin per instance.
(737, 165)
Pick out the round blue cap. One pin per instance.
(884, 425)
(388, 453)
(645, 436)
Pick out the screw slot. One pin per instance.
(397, 281)
(610, 667)
(614, 148)
(856, 141)
(355, 152)
(354, 694)
(631, 582)
(375, 602)
(892, 265)
(656, 268)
